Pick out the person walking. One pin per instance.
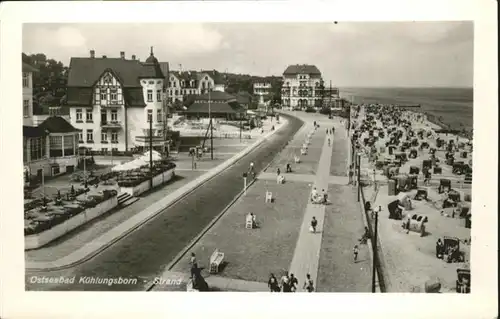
(308, 284)
(194, 264)
(355, 253)
(293, 283)
(273, 284)
(285, 283)
(314, 223)
(278, 171)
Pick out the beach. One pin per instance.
(449, 108)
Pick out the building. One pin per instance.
(28, 71)
(112, 101)
(217, 104)
(43, 113)
(302, 87)
(244, 99)
(331, 97)
(262, 90)
(184, 83)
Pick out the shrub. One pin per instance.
(310, 110)
(325, 111)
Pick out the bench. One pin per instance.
(215, 261)
(250, 222)
(269, 197)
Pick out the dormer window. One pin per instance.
(206, 78)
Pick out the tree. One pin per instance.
(52, 75)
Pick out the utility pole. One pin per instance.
(375, 257)
(165, 114)
(211, 126)
(151, 152)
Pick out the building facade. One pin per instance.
(112, 101)
(302, 87)
(28, 71)
(262, 90)
(217, 105)
(183, 83)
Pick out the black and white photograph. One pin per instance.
(266, 157)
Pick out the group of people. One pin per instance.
(289, 283)
(319, 198)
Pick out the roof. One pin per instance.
(33, 131)
(216, 76)
(29, 68)
(224, 107)
(85, 72)
(165, 68)
(244, 98)
(302, 69)
(57, 124)
(216, 96)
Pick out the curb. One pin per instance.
(203, 180)
(193, 242)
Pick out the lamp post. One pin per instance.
(375, 257)
(211, 126)
(359, 176)
(151, 152)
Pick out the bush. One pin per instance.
(310, 110)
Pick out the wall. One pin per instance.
(136, 121)
(144, 186)
(28, 95)
(41, 239)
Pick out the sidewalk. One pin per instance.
(307, 252)
(96, 245)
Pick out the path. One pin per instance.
(306, 256)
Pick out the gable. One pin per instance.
(108, 79)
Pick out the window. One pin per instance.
(26, 108)
(176, 92)
(107, 79)
(114, 95)
(150, 95)
(150, 115)
(104, 137)
(170, 84)
(80, 137)
(114, 115)
(114, 149)
(79, 115)
(151, 82)
(90, 136)
(158, 95)
(104, 95)
(114, 137)
(26, 80)
(104, 150)
(37, 148)
(89, 115)
(56, 146)
(159, 116)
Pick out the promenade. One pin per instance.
(283, 242)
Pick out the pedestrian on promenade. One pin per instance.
(278, 171)
(327, 132)
(288, 168)
(329, 142)
(314, 223)
(273, 284)
(351, 174)
(285, 283)
(355, 252)
(293, 283)
(314, 194)
(308, 284)
(194, 264)
(325, 197)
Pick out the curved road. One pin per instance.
(146, 252)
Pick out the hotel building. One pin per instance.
(302, 87)
(112, 101)
(183, 83)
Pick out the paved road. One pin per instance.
(144, 254)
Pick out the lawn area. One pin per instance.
(343, 226)
(308, 163)
(338, 164)
(251, 254)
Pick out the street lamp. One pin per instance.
(374, 247)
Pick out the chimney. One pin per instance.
(104, 57)
(133, 56)
(122, 55)
(92, 54)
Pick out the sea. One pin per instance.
(449, 107)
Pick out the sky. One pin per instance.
(350, 54)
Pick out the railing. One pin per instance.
(111, 124)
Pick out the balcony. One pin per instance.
(111, 124)
(111, 103)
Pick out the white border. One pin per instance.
(480, 304)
